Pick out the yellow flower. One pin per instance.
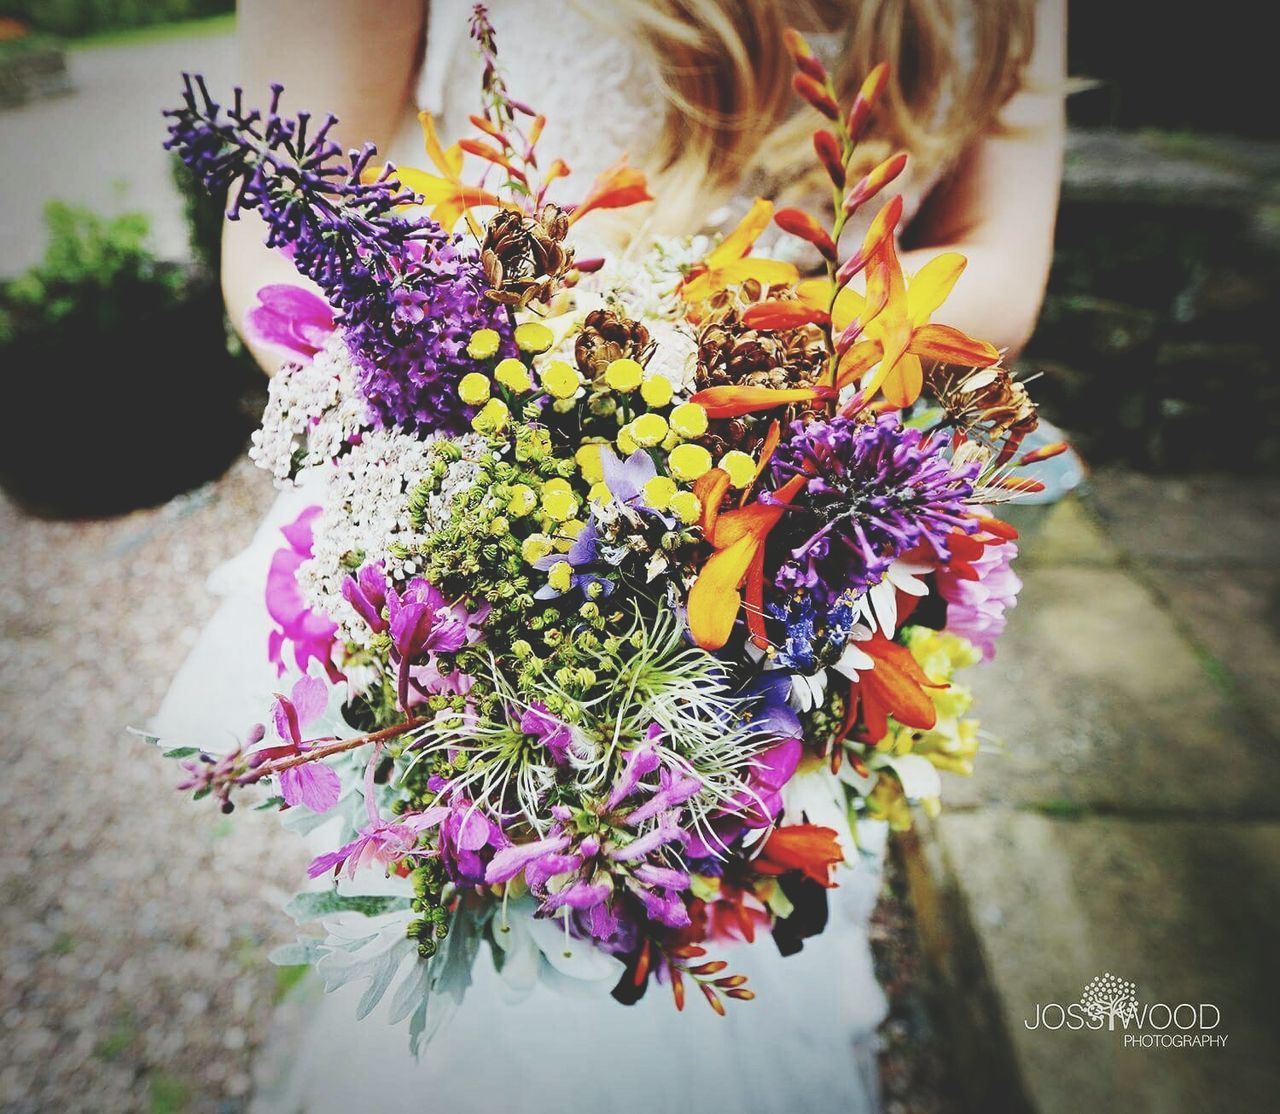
(689, 420)
(600, 492)
(626, 443)
(492, 418)
(588, 460)
(560, 380)
(535, 547)
(658, 492)
(567, 533)
(474, 388)
(686, 506)
(656, 390)
(688, 462)
(740, 466)
(561, 576)
(523, 500)
(533, 337)
(559, 503)
(648, 430)
(624, 375)
(483, 344)
(513, 375)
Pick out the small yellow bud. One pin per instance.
(561, 576)
(600, 492)
(686, 506)
(534, 337)
(656, 390)
(560, 380)
(492, 418)
(535, 547)
(557, 483)
(588, 459)
(567, 533)
(689, 420)
(623, 375)
(688, 462)
(474, 388)
(559, 504)
(483, 344)
(513, 375)
(626, 443)
(740, 466)
(499, 527)
(523, 500)
(648, 430)
(658, 492)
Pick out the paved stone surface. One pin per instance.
(1188, 911)
(133, 925)
(101, 145)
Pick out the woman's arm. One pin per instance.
(354, 59)
(998, 207)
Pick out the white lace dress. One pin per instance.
(807, 1042)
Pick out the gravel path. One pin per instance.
(133, 926)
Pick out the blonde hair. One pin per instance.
(731, 111)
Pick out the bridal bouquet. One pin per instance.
(634, 587)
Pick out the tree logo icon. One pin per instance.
(1109, 998)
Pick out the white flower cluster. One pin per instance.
(313, 409)
(365, 514)
(644, 286)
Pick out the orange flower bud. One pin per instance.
(874, 182)
(827, 148)
(803, 225)
(865, 101)
(1045, 452)
(816, 94)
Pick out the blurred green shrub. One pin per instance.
(97, 271)
(75, 18)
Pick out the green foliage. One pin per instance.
(97, 271)
(204, 214)
(76, 18)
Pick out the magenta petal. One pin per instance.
(314, 785)
(310, 698)
(285, 717)
(300, 533)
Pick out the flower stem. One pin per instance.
(318, 753)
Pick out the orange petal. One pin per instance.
(615, 188)
(861, 358)
(710, 488)
(449, 163)
(714, 600)
(739, 241)
(931, 285)
(902, 386)
(755, 599)
(881, 230)
(732, 402)
(775, 315)
(808, 848)
(767, 449)
(951, 346)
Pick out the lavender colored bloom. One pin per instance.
(554, 734)
(976, 608)
(877, 490)
(408, 294)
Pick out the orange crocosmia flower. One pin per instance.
(738, 538)
(615, 188)
(900, 334)
(730, 262)
(895, 687)
(809, 848)
(445, 191)
(733, 401)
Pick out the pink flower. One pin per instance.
(291, 318)
(312, 784)
(311, 633)
(976, 607)
(380, 841)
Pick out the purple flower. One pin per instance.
(465, 834)
(291, 318)
(877, 490)
(367, 593)
(976, 608)
(311, 633)
(381, 841)
(312, 784)
(554, 734)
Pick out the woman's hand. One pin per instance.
(354, 59)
